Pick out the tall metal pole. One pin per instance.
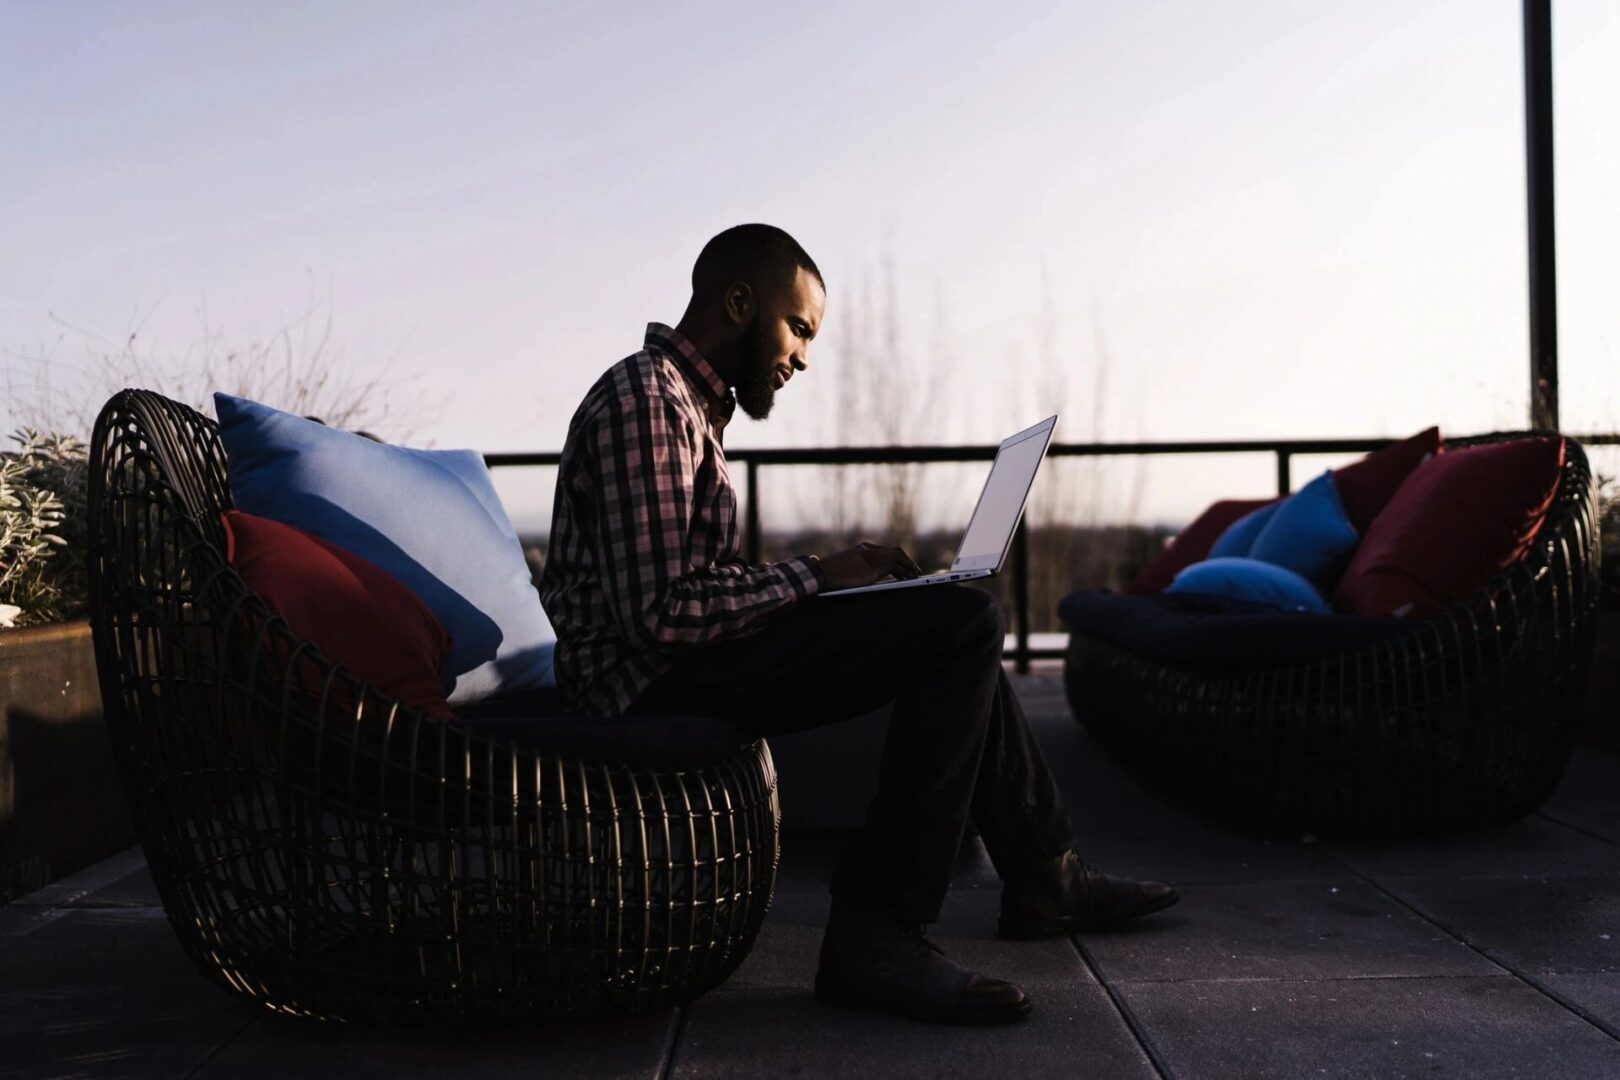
(1538, 132)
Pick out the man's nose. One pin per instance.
(801, 359)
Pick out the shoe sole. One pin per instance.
(1036, 929)
(834, 998)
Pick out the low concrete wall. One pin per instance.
(1602, 721)
(61, 804)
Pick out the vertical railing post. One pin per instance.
(753, 540)
(1285, 472)
(1538, 155)
(1021, 597)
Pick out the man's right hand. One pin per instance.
(864, 564)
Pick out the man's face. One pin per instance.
(776, 342)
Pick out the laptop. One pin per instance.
(1001, 504)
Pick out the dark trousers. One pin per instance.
(958, 742)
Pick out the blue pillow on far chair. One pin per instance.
(1309, 534)
(1251, 579)
(431, 518)
(1239, 536)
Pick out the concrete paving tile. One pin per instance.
(1551, 925)
(1376, 1028)
(808, 858)
(785, 953)
(16, 923)
(108, 992)
(1589, 796)
(789, 944)
(97, 878)
(631, 1047)
(1534, 847)
(1193, 853)
(764, 1022)
(1095, 788)
(1597, 994)
(1281, 930)
(1074, 1031)
(133, 890)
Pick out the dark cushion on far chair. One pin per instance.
(1192, 544)
(1457, 521)
(1366, 486)
(1196, 629)
(539, 720)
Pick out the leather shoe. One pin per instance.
(874, 962)
(1065, 895)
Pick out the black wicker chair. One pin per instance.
(1468, 720)
(331, 853)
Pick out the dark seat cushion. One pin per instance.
(538, 720)
(1196, 629)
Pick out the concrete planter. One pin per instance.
(61, 803)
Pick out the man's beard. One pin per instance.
(755, 392)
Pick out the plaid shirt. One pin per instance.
(643, 557)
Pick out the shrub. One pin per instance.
(42, 529)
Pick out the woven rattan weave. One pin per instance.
(330, 853)
(1468, 720)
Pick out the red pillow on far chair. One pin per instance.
(1192, 544)
(357, 615)
(1460, 519)
(1366, 486)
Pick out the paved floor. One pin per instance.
(1492, 955)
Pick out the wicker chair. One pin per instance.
(330, 853)
(1468, 720)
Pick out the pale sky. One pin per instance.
(1268, 218)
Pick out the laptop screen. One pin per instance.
(1003, 499)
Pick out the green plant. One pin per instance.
(42, 528)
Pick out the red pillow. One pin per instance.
(357, 615)
(1192, 544)
(1366, 486)
(1457, 521)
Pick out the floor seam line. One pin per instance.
(1547, 992)
(674, 1048)
(1570, 825)
(216, 1051)
(1134, 1026)
(1504, 974)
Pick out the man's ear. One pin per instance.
(739, 302)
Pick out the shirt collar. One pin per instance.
(719, 396)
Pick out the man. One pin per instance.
(655, 612)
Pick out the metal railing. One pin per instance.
(753, 460)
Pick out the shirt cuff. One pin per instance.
(805, 574)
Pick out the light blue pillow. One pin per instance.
(429, 517)
(1309, 534)
(1251, 579)
(1238, 537)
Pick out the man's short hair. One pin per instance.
(762, 255)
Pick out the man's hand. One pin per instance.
(864, 564)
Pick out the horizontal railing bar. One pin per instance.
(903, 455)
(1284, 449)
